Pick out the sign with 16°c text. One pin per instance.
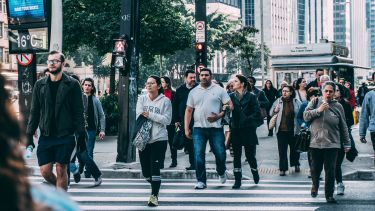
(28, 40)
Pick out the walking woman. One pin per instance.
(171, 128)
(271, 94)
(301, 90)
(340, 97)
(286, 108)
(157, 108)
(245, 114)
(328, 129)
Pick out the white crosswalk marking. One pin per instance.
(132, 194)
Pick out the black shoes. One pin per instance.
(237, 184)
(314, 192)
(297, 169)
(173, 164)
(331, 200)
(77, 177)
(190, 168)
(255, 176)
(282, 173)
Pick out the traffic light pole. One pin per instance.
(200, 33)
(129, 28)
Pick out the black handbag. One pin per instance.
(179, 139)
(353, 152)
(303, 140)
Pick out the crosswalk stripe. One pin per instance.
(112, 208)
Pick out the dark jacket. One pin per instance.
(179, 103)
(263, 101)
(271, 95)
(69, 110)
(348, 113)
(313, 83)
(246, 111)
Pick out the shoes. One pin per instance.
(314, 192)
(297, 169)
(223, 178)
(87, 174)
(282, 173)
(80, 168)
(190, 168)
(200, 185)
(331, 200)
(237, 184)
(340, 189)
(255, 176)
(173, 164)
(77, 177)
(98, 181)
(153, 201)
(270, 134)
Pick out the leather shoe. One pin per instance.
(297, 169)
(173, 164)
(190, 168)
(331, 200)
(314, 192)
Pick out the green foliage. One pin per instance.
(112, 113)
(246, 46)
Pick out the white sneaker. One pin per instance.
(223, 178)
(200, 185)
(98, 181)
(340, 189)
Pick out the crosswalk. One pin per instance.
(178, 194)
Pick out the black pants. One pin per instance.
(270, 132)
(189, 146)
(328, 158)
(150, 159)
(340, 159)
(171, 131)
(250, 153)
(285, 138)
(373, 140)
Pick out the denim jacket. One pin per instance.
(367, 118)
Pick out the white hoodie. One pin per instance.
(160, 113)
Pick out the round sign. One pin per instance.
(199, 67)
(24, 59)
(200, 25)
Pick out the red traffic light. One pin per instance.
(199, 47)
(119, 46)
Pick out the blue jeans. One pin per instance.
(216, 140)
(91, 136)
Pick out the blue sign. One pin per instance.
(26, 11)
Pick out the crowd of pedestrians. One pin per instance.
(69, 117)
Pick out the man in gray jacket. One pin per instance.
(367, 118)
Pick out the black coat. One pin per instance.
(313, 83)
(179, 104)
(69, 110)
(245, 117)
(271, 95)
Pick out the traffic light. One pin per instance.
(201, 59)
(119, 55)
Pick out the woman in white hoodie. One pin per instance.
(157, 108)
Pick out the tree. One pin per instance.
(244, 43)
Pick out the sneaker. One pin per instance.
(331, 200)
(200, 185)
(340, 189)
(98, 181)
(77, 177)
(223, 178)
(153, 201)
(173, 164)
(297, 169)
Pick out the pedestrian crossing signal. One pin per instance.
(199, 47)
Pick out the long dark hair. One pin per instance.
(265, 84)
(299, 81)
(243, 80)
(167, 81)
(158, 82)
(93, 90)
(15, 187)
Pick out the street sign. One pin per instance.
(199, 67)
(28, 40)
(200, 33)
(24, 59)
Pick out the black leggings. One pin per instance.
(150, 159)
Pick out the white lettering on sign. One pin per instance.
(200, 33)
(126, 17)
(26, 8)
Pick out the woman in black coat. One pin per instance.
(271, 94)
(245, 116)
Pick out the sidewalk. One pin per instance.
(267, 155)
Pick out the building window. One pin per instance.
(1, 29)
(6, 56)
(1, 54)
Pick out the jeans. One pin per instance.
(340, 159)
(326, 157)
(91, 136)
(216, 140)
(285, 138)
(89, 163)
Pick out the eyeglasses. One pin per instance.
(54, 61)
(285, 91)
(150, 83)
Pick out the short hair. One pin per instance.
(206, 69)
(93, 90)
(187, 72)
(312, 91)
(326, 77)
(167, 81)
(319, 69)
(330, 83)
(62, 57)
(252, 78)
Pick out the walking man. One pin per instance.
(207, 100)
(316, 82)
(367, 118)
(179, 106)
(57, 108)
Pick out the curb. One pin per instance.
(367, 175)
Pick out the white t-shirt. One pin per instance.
(205, 101)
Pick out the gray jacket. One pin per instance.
(296, 105)
(328, 129)
(99, 115)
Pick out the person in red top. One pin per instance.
(169, 93)
(351, 97)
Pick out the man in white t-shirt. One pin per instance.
(207, 101)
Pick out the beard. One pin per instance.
(57, 71)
